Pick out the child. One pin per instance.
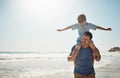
(82, 26)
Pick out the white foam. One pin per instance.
(106, 58)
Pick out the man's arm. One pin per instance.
(101, 28)
(97, 54)
(66, 28)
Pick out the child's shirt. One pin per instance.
(83, 29)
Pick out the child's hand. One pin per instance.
(59, 30)
(109, 29)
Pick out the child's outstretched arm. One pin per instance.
(66, 28)
(101, 28)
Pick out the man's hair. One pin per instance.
(88, 34)
(81, 18)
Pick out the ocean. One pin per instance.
(49, 64)
(33, 64)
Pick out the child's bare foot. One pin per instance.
(70, 58)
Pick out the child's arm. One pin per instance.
(101, 28)
(66, 28)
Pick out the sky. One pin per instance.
(30, 25)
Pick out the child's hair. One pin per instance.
(81, 18)
(88, 34)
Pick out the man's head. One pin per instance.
(82, 19)
(86, 38)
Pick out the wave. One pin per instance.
(36, 74)
(31, 55)
(18, 58)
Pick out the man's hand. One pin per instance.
(98, 57)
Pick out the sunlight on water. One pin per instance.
(44, 65)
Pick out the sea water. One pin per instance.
(33, 64)
(42, 64)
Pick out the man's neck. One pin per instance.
(85, 46)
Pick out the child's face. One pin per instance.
(83, 23)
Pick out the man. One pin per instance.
(84, 67)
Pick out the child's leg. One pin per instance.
(75, 52)
(77, 48)
(95, 51)
(72, 49)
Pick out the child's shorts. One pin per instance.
(78, 41)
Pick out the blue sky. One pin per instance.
(30, 25)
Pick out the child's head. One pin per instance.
(81, 18)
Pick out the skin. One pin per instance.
(81, 76)
(95, 50)
(83, 24)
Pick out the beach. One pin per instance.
(112, 69)
(53, 65)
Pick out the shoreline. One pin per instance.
(57, 67)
